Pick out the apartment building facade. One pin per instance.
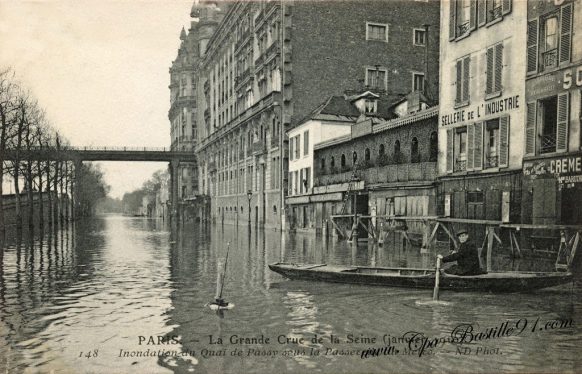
(184, 107)
(270, 63)
(482, 108)
(552, 165)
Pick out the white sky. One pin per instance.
(100, 70)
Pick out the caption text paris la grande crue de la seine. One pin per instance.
(463, 339)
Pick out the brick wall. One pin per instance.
(330, 51)
(420, 130)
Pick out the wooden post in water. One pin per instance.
(435, 292)
(490, 234)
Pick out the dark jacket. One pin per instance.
(467, 258)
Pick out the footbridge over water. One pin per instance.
(91, 153)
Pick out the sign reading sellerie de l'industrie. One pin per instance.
(481, 111)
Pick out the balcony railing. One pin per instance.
(259, 61)
(422, 171)
(463, 28)
(491, 161)
(495, 13)
(273, 48)
(269, 6)
(243, 76)
(548, 144)
(460, 165)
(258, 148)
(550, 58)
(243, 39)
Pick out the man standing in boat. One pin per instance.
(467, 257)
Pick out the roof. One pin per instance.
(341, 108)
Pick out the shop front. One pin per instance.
(554, 186)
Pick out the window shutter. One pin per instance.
(482, 12)
(498, 67)
(478, 145)
(562, 123)
(565, 33)
(450, 142)
(489, 72)
(470, 146)
(532, 46)
(530, 129)
(452, 19)
(466, 63)
(503, 141)
(506, 6)
(473, 15)
(459, 95)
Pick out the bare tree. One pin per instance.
(8, 107)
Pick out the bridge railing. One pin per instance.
(108, 149)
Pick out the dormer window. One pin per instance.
(371, 106)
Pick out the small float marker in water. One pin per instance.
(219, 304)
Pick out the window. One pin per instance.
(494, 10)
(290, 192)
(478, 145)
(322, 165)
(397, 154)
(376, 31)
(371, 106)
(434, 146)
(332, 164)
(461, 149)
(367, 155)
(462, 81)
(291, 152)
(307, 179)
(418, 82)
(414, 155)
(465, 15)
(419, 37)
(354, 158)
(491, 143)
(306, 143)
(297, 146)
(549, 40)
(343, 161)
(376, 78)
(493, 84)
(548, 116)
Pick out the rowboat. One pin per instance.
(498, 281)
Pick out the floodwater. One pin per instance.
(127, 295)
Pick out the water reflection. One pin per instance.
(100, 285)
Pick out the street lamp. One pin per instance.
(249, 197)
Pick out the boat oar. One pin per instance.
(435, 292)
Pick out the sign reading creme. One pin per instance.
(567, 169)
(489, 108)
